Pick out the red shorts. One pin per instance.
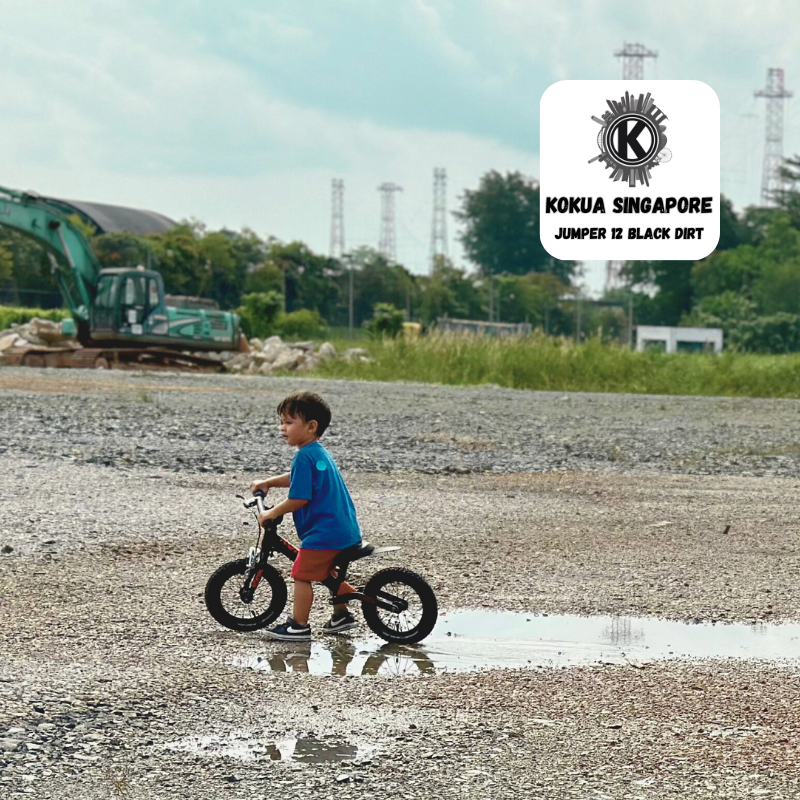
(313, 565)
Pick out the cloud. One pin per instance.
(150, 118)
(241, 113)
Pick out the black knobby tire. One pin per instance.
(409, 626)
(224, 602)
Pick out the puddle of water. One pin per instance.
(480, 639)
(244, 747)
(467, 641)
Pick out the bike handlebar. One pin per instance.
(257, 502)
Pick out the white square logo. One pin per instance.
(629, 170)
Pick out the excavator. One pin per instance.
(120, 315)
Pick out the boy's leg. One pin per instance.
(303, 598)
(344, 588)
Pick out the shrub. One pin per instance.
(743, 331)
(259, 312)
(386, 321)
(10, 315)
(302, 324)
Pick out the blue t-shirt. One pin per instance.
(328, 520)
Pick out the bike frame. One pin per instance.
(270, 541)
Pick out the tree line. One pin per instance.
(514, 278)
(749, 286)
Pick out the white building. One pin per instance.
(675, 339)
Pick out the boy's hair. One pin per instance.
(309, 407)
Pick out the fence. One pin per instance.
(30, 298)
(483, 328)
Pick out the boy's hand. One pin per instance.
(266, 516)
(259, 486)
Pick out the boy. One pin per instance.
(323, 512)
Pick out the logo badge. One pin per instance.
(632, 139)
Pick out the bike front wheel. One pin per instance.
(415, 607)
(245, 603)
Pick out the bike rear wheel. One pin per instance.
(234, 603)
(417, 607)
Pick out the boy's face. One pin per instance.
(296, 432)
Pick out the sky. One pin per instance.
(240, 115)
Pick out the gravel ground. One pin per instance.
(117, 503)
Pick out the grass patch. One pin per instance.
(553, 364)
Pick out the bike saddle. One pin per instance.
(355, 552)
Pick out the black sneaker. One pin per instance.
(290, 631)
(340, 621)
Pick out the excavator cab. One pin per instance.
(129, 305)
(130, 308)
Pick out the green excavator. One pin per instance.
(120, 314)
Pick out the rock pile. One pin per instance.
(35, 333)
(275, 355)
(263, 358)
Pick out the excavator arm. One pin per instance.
(33, 216)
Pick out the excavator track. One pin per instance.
(144, 359)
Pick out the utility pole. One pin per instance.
(337, 218)
(350, 298)
(630, 321)
(772, 182)
(387, 244)
(439, 224)
(633, 56)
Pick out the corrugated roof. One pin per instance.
(112, 219)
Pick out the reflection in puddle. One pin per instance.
(342, 657)
(245, 747)
(467, 641)
(313, 750)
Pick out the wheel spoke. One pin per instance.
(233, 604)
(403, 621)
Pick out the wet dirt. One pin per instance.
(470, 641)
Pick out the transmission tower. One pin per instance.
(387, 244)
(439, 225)
(771, 180)
(337, 218)
(633, 56)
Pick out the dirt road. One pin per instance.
(117, 503)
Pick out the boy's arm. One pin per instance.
(279, 510)
(275, 482)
